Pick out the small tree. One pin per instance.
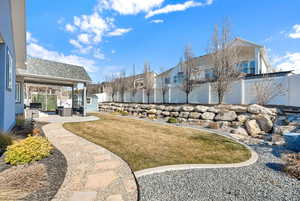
(224, 59)
(132, 85)
(111, 86)
(267, 88)
(122, 83)
(164, 85)
(187, 66)
(148, 81)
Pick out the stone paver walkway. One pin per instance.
(94, 173)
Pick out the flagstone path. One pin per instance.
(94, 173)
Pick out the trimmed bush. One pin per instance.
(31, 149)
(5, 141)
(292, 165)
(172, 120)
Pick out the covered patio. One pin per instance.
(41, 82)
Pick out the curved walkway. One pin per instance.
(94, 173)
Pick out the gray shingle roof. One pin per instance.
(53, 69)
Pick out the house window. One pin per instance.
(9, 73)
(208, 74)
(248, 67)
(88, 101)
(18, 92)
(167, 80)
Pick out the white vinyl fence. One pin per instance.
(241, 92)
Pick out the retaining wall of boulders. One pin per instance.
(248, 120)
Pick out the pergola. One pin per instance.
(51, 73)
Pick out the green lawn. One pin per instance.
(146, 145)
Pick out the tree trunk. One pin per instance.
(187, 98)
(148, 97)
(163, 98)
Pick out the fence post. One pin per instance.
(143, 96)
(170, 98)
(209, 93)
(242, 91)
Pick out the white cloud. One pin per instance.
(119, 32)
(113, 51)
(70, 28)
(296, 32)
(34, 49)
(84, 38)
(177, 7)
(157, 21)
(291, 61)
(129, 7)
(29, 38)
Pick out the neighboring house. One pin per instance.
(92, 103)
(253, 60)
(12, 57)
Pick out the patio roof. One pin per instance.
(45, 71)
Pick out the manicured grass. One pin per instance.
(145, 144)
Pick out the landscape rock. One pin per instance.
(176, 109)
(165, 113)
(160, 107)
(194, 115)
(201, 108)
(169, 108)
(226, 116)
(242, 118)
(152, 111)
(187, 108)
(283, 129)
(239, 131)
(253, 128)
(184, 114)
(214, 110)
(238, 108)
(208, 116)
(257, 109)
(174, 114)
(264, 123)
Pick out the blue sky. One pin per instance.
(108, 36)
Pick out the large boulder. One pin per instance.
(174, 114)
(184, 114)
(176, 109)
(187, 108)
(201, 108)
(165, 113)
(253, 128)
(264, 123)
(169, 108)
(239, 131)
(151, 111)
(160, 107)
(238, 108)
(284, 129)
(242, 118)
(194, 115)
(226, 116)
(208, 116)
(258, 109)
(213, 109)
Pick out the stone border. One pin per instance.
(93, 172)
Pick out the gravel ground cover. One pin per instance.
(262, 181)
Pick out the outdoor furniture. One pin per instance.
(292, 141)
(35, 106)
(65, 112)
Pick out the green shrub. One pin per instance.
(5, 141)
(31, 149)
(124, 113)
(172, 120)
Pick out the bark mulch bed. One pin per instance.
(37, 181)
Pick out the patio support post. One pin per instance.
(72, 98)
(84, 99)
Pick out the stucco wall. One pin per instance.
(7, 97)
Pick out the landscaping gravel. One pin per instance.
(262, 181)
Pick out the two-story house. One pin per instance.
(253, 60)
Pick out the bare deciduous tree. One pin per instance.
(187, 67)
(122, 84)
(111, 86)
(267, 88)
(148, 81)
(164, 85)
(224, 58)
(132, 84)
